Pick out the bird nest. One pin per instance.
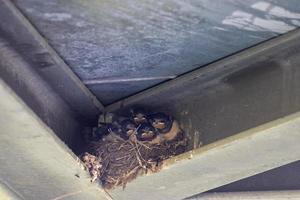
(114, 161)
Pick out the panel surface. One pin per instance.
(109, 41)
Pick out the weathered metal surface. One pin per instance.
(35, 164)
(116, 40)
(248, 153)
(30, 46)
(39, 96)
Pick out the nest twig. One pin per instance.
(122, 160)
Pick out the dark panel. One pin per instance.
(132, 39)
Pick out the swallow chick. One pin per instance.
(128, 128)
(138, 115)
(101, 131)
(167, 127)
(146, 132)
(105, 129)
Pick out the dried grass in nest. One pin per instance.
(120, 161)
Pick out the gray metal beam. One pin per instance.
(32, 47)
(248, 153)
(40, 96)
(35, 164)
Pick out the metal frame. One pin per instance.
(35, 164)
(20, 35)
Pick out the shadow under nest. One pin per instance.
(114, 161)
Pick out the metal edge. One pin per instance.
(90, 100)
(88, 188)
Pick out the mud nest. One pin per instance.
(115, 160)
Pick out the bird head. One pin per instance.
(138, 115)
(101, 131)
(128, 128)
(161, 122)
(146, 132)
